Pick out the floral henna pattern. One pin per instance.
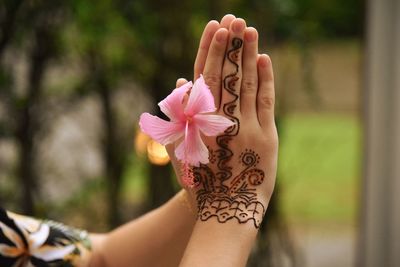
(220, 195)
(239, 201)
(25, 241)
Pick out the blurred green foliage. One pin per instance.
(319, 166)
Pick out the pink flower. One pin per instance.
(188, 119)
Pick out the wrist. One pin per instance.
(187, 202)
(219, 244)
(225, 208)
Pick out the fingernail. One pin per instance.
(221, 36)
(228, 16)
(250, 35)
(238, 25)
(264, 61)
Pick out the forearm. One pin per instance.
(158, 238)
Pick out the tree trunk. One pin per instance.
(29, 123)
(8, 22)
(160, 181)
(170, 66)
(112, 154)
(113, 150)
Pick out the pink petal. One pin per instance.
(196, 150)
(164, 132)
(172, 105)
(211, 125)
(200, 99)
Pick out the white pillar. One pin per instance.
(379, 242)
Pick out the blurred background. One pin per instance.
(75, 76)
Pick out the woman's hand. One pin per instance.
(238, 182)
(211, 51)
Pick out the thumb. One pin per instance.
(180, 82)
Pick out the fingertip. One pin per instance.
(267, 58)
(250, 28)
(238, 25)
(180, 82)
(264, 60)
(221, 35)
(266, 92)
(213, 21)
(265, 68)
(212, 24)
(250, 34)
(226, 21)
(227, 17)
(205, 41)
(211, 27)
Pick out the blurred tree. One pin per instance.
(167, 43)
(8, 11)
(29, 123)
(44, 22)
(104, 42)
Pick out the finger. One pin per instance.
(213, 66)
(248, 90)
(204, 45)
(169, 147)
(232, 69)
(180, 82)
(266, 93)
(226, 21)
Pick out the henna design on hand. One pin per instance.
(212, 157)
(236, 198)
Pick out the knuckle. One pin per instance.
(274, 142)
(212, 79)
(271, 141)
(266, 101)
(249, 85)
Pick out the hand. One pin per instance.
(239, 180)
(212, 45)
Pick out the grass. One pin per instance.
(319, 168)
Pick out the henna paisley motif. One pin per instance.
(225, 154)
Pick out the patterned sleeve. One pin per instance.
(25, 241)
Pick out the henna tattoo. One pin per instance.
(239, 201)
(222, 195)
(212, 157)
(229, 82)
(25, 241)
